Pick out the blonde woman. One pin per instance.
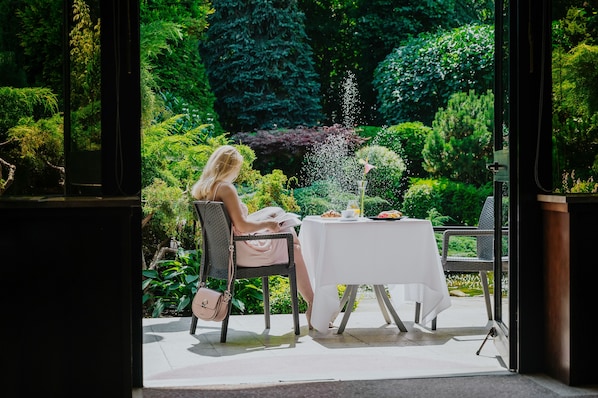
(216, 183)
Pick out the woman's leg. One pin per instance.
(303, 283)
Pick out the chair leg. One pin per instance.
(484, 280)
(224, 327)
(418, 308)
(294, 301)
(266, 290)
(193, 324)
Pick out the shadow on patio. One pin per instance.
(368, 349)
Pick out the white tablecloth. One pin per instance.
(401, 254)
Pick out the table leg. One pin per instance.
(382, 292)
(351, 293)
(345, 297)
(382, 305)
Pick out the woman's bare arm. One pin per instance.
(228, 195)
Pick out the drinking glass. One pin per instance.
(353, 205)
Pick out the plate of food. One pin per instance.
(389, 215)
(331, 214)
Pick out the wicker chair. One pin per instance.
(483, 262)
(215, 230)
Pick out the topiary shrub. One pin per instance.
(407, 140)
(385, 180)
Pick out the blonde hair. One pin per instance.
(222, 165)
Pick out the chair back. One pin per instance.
(215, 232)
(485, 244)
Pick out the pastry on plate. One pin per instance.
(331, 214)
(390, 214)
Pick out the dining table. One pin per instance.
(399, 257)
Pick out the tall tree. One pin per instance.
(260, 65)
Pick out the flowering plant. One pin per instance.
(362, 184)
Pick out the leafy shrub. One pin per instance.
(169, 215)
(460, 144)
(422, 197)
(284, 149)
(570, 184)
(368, 132)
(461, 202)
(171, 286)
(280, 298)
(325, 195)
(408, 140)
(419, 77)
(272, 190)
(315, 199)
(575, 111)
(468, 283)
(191, 116)
(331, 170)
(36, 149)
(385, 179)
(17, 103)
(169, 289)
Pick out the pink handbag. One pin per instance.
(212, 305)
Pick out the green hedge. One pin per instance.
(461, 202)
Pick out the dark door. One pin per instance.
(504, 308)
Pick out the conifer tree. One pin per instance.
(260, 65)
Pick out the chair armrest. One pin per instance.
(471, 232)
(442, 228)
(464, 232)
(280, 235)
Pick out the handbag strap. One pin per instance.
(231, 248)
